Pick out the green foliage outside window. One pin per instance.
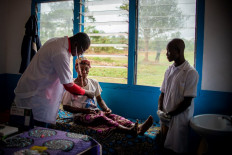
(159, 21)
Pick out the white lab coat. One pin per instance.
(40, 87)
(179, 82)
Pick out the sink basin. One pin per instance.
(211, 125)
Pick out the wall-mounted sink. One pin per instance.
(208, 125)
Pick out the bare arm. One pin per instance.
(160, 102)
(77, 110)
(182, 106)
(103, 105)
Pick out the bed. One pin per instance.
(56, 141)
(113, 142)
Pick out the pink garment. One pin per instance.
(102, 123)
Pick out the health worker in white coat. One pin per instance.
(175, 105)
(42, 84)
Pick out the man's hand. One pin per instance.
(89, 94)
(163, 116)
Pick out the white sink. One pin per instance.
(209, 125)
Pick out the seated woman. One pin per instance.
(86, 111)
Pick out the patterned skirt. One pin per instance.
(101, 123)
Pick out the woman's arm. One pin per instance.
(103, 105)
(78, 110)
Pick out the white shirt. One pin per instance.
(179, 82)
(81, 101)
(40, 86)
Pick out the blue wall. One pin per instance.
(133, 101)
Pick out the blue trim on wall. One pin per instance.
(33, 7)
(76, 28)
(131, 42)
(38, 17)
(200, 40)
(82, 16)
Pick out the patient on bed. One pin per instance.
(86, 111)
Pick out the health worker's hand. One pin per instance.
(89, 94)
(163, 116)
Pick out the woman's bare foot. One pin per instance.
(134, 129)
(145, 126)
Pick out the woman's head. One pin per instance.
(84, 66)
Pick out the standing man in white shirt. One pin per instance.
(175, 105)
(42, 84)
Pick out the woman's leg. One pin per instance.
(121, 120)
(145, 126)
(130, 130)
(96, 119)
(121, 124)
(112, 121)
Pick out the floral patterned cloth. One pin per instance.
(101, 123)
(113, 142)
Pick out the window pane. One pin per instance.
(56, 21)
(159, 22)
(106, 22)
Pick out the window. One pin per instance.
(55, 20)
(159, 21)
(106, 22)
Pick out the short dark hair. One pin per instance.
(82, 39)
(177, 44)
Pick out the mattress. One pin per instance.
(114, 142)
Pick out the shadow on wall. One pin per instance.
(213, 102)
(8, 83)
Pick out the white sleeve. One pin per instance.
(163, 86)
(97, 87)
(191, 84)
(61, 63)
(98, 90)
